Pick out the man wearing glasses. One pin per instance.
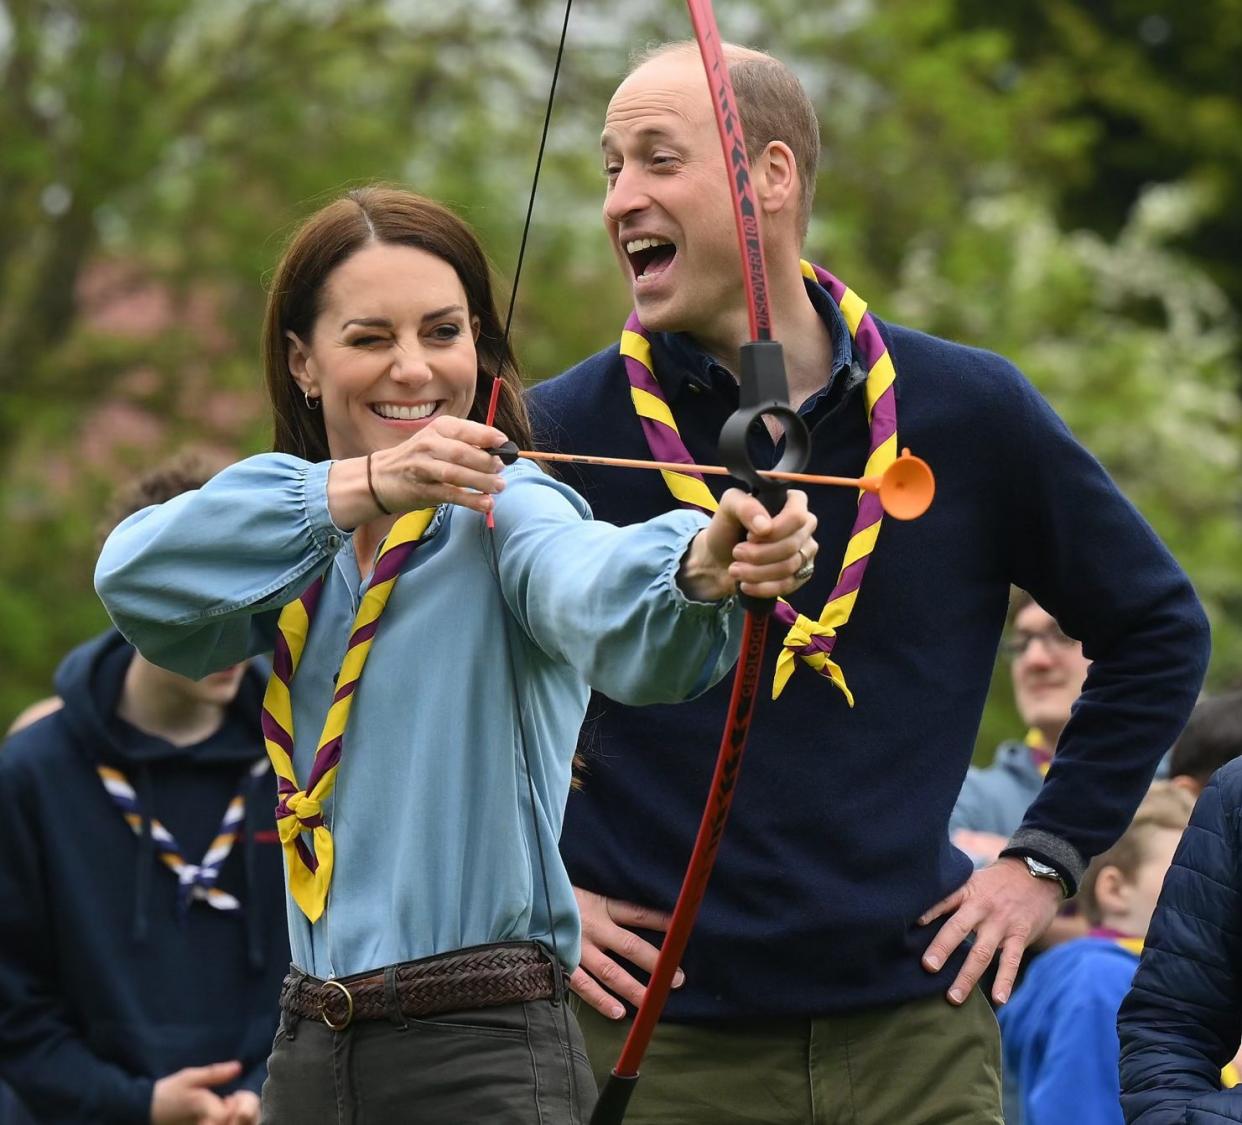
(1048, 671)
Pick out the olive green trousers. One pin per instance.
(920, 1063)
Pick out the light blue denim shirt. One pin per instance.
(434, 832)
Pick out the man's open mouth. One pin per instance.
(650, 256)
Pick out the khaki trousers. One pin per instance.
(920, 1063)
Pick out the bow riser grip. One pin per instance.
(771, 494)
(763, 374)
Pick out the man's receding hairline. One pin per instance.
(734, 52)
(772, 102)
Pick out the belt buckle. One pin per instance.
(349, 1007)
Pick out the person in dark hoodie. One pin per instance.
(144, 937)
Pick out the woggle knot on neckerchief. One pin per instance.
(809, 641)
(310, 872)
(196, 883)
(298, 813)
(303, 807)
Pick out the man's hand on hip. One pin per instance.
(1006, 908)
(599, 979)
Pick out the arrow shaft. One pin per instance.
(868, 483)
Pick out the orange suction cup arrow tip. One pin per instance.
(907, 487)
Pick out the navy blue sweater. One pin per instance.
(102, 988)
(838, 838)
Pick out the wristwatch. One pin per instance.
(1042, 870)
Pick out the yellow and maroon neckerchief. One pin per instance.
(1127, 942)
(1041, 752)
(300, 809)
(811, 641)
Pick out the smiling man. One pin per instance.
(816, 980)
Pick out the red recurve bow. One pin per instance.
(763, 390)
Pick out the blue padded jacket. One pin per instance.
(1182, 1020)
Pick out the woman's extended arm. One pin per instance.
(607, 600)
(194, 583)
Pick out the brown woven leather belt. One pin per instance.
(484, 976)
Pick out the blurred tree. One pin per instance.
(1134, 345)
(154, 152)
(183, 135)
(1153, 91)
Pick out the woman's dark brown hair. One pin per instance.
(359, 218)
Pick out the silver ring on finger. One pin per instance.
(807, 568)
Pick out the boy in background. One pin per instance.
(144, 936)
(1059, 1032)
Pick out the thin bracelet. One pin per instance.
(371, 485)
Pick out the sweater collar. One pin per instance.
(682, 363)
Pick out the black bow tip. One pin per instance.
(613, 1099)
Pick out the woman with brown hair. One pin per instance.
(430, 674)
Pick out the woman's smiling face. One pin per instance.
(393, 347)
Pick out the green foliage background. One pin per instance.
(1058, 182)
